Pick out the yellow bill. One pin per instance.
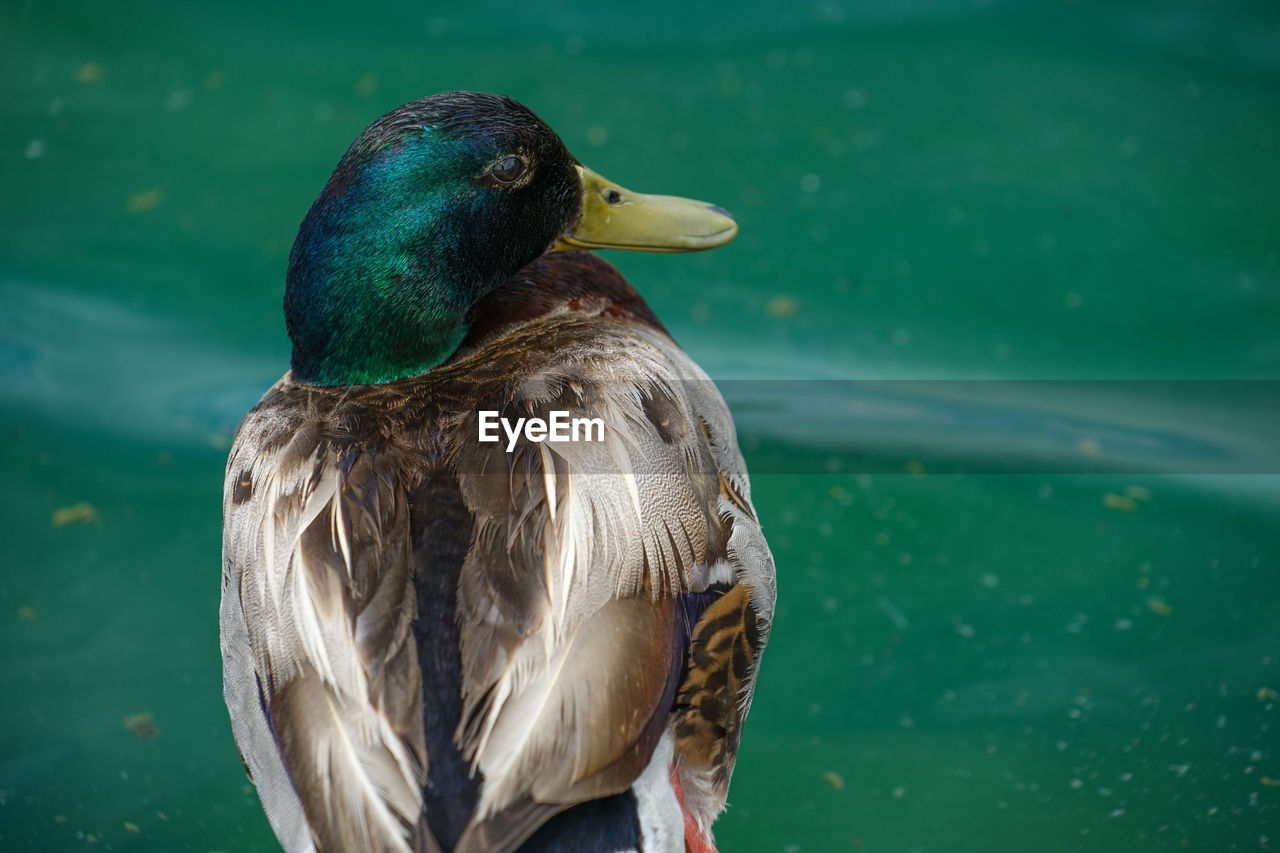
(617, 218)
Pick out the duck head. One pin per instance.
(433, 206)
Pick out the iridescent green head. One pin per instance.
(433, 206)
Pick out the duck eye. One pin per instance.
(508, 170)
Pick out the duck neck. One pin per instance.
(376, 294)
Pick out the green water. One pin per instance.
(1052, 660)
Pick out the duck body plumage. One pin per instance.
(436, 643)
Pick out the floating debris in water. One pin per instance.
(896, 616)
(131, 827)
(1159, 607)
(90, 73)
(1089, 447)
(143, 725)
(1266, 694)
(145, 200)
(834, 779)
(177, 99)
(79, 513)
(1138, 493)
(1113, 501)
(27, 613)
(855, 98)
(782, 306)
(35, 149)
(367, 85)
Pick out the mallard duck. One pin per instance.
(436, 642)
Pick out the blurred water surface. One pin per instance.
(1080, 655)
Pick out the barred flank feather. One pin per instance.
(709, 719)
